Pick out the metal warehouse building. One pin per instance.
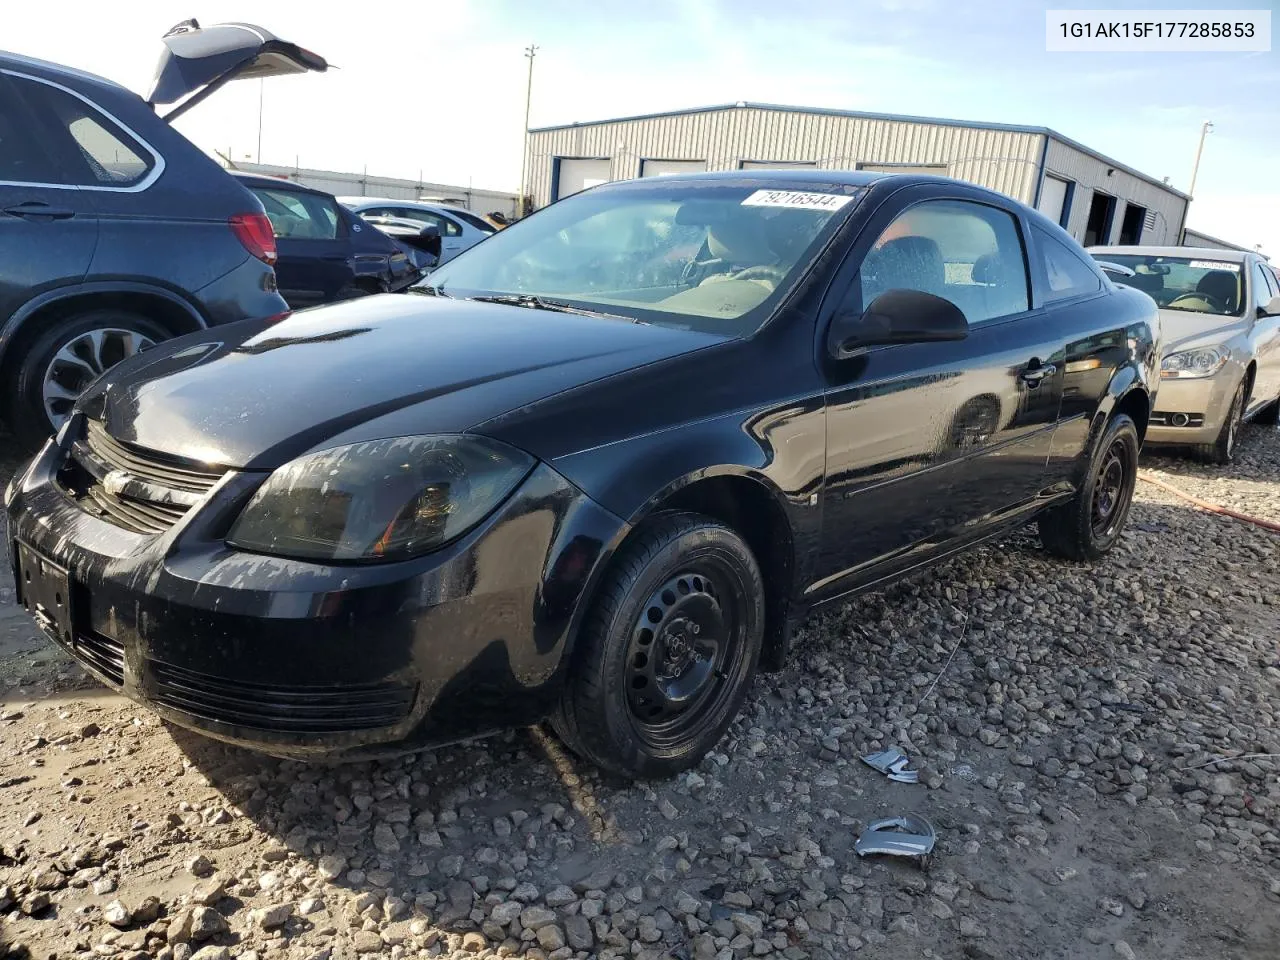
(1097, 199)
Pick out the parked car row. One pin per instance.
(116, 233)
(387, 522)
(801, 385)
(1221, 365)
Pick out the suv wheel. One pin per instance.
(57, 367)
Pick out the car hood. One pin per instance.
(1183, 330)
(257, 394)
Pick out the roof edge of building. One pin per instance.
(873, 115)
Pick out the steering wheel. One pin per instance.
(1214, 303)
(761, 272)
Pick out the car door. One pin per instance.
(1095, 342)
(1266, 337)
(313, 247)
(932, 445)
(48, 228)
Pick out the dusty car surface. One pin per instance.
(1220, 310)
(596, 473)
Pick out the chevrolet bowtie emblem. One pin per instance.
(114, 482)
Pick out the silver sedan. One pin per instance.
(1220, 312)
(459, 229)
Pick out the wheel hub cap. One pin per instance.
(674, 658)
(81, 361)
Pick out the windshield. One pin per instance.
(1183, 283)
(714, 257)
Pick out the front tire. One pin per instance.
(1223, 449)
(59, 364)
(668, 650)
(1090, 524)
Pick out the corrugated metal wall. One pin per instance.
(1003, 160)
(362, 185)
(1193, 238)
(1090, 174)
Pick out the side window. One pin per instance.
(1261, 276)
(1068, 275)
(968, 253)
(446, 226)
(94, 151)
(299, 216)
(481, 225)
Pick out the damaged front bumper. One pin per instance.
(304, 659)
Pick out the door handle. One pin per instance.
(37, 209)
(1036, 372)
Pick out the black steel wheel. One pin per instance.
(668, 651)
(1090, 524)
(1112, 489)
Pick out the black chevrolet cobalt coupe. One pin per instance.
(595, 472)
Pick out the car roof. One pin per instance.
(1196, 253)
(379, 201)
(784, 174)
(56, 71)
(256, 180)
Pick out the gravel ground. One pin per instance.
(1065, 754)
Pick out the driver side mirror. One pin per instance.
(1271, 309)
(897, 316)
(431, 235)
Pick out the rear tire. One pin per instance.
(1090, 524)
(668, 650)
(34, 390)
(1223, 449)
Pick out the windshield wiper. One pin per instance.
(533, 302)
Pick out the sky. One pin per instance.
(437, 90)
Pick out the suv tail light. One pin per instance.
(254, 231)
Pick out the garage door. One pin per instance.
(1053, 198)
(577, 175)
(774, 164)
(664, 168)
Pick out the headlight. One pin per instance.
(379, 500)
(1192, 364)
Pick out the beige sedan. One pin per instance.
(1220, 314)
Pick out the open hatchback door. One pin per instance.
(198, 60)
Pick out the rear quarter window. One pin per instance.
(92, 149)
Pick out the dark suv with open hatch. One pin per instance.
(116, 232)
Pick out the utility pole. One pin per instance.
(260, 81)
(530, 52)
(1204, 130)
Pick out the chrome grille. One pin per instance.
(132, 487)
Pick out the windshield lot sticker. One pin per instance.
(1215, 265)
(796, 199)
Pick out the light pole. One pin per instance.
(530, 52)
(1204, 130)
(260, 81)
